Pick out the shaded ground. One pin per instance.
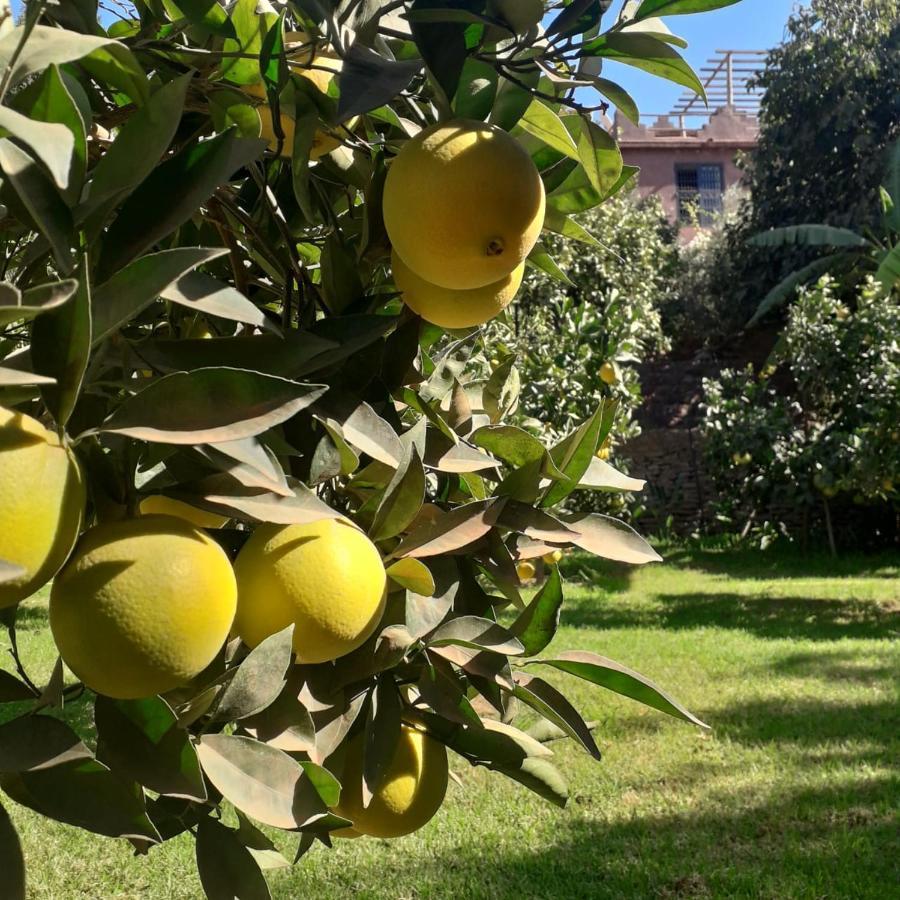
(794, 792)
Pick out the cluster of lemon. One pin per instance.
(463, 206)
(143, 605)
(319, 66)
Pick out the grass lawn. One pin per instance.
(793, 793)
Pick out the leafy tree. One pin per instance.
(829, 115)
(193, 313)
(820, 422)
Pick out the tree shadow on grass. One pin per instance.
(827, 842)
(807, 618)
(775, 563)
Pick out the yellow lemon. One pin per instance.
(608, 374)
(326, 577)
(551, 559)
(455, 309)
(143, 606)
(324, 141)
(525, 571)
(42, 497)
(166, 506)
(463, 204)
(411, 792)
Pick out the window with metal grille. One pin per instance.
(699, 193)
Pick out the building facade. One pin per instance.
(689, 169)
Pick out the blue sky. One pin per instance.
(749, 25)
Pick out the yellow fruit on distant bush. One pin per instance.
(324, 141)
(411, 792)
(143, 606)
(455, 309)
(166, 506)
(525, 570)
(551, 559)
(603, 453)
(42, 497)
(608, 374)
(326, 577)
(887, 485)
(463, 204)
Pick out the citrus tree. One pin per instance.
(247, 255)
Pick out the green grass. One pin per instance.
(793, 793)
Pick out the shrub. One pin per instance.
(829, 428)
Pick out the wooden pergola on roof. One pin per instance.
(727, 80)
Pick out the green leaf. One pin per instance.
(220, 494)
(259, 679)
(61, 348)
(368, 80)
(17, 307)
(412, 575)
(261, 781)
(477, 90)
(289, 356)
(808, 236)
(610, 538)
(41, 200)
(141, 740)
(201, 293)
(644, 51)
(477, 633)
(576, 18)
(207, 14)
(138, 147)
(11, 689)
(210, 405)
(515, 446)
(540, 776)
(888, 273)
(451, 531)
(173, 193)
(537, 623)
(493, 742)
(512, 99)
(541, 121)
(573, 455)
(541, 259)
(534, 523)
(47, 45)
(34, 743)
(17, 378)
(341, 284)
(623, 101)
(51, 141)
(442, 45)
(115, 65)
(402, 499)
(547, 701)
(601, 476)
(226, 867)
(12, 863)
(598, 153)
(381, 734)
(250, 29)
(652, 8)
(615, 677)
(133, 288)
(286, 723)
(361, 427)
(560, 224)
(116, 807)
(892, 187)
(785, 289)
